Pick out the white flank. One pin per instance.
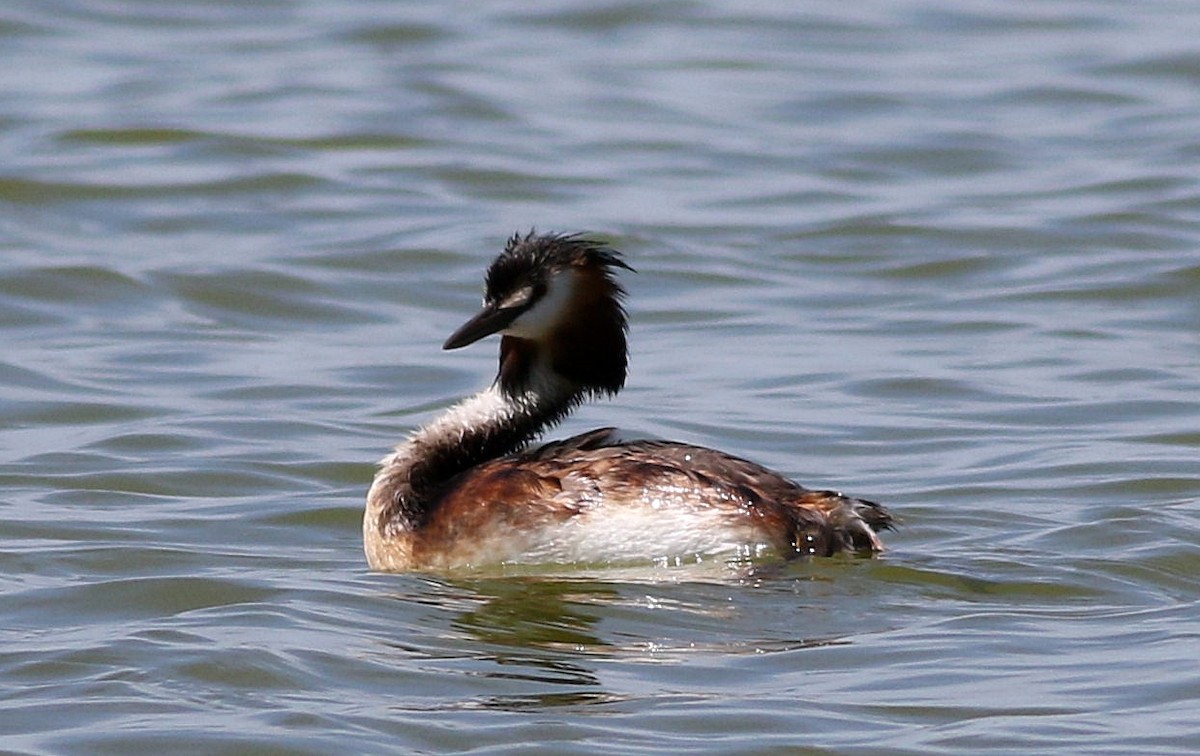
(617, 534)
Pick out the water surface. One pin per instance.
(942, 255)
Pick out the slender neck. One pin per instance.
(490, 424)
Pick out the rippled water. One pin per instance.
(941, 254)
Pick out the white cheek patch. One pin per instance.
(539, 320)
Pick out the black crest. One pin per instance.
(528, 260)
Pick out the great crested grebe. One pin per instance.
(464, 491)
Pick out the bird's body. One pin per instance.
(465, 491)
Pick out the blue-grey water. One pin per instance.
(942, 254)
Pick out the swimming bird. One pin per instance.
(468, 491)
